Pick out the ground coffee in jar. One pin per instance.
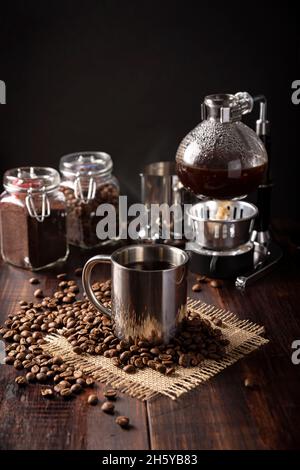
(87, 182)
(33, 218)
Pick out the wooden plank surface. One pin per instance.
(30, 422)
(222, 414)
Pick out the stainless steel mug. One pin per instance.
(148, 291)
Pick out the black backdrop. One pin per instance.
(128, 77)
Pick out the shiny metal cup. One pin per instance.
(145, 304)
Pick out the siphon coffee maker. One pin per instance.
(222, 161)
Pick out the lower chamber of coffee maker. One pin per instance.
(222, 246)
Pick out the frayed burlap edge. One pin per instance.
(244, 335)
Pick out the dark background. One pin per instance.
(128, 77)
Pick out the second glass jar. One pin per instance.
(87, 182)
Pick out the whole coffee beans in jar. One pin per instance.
(87, 182)
(33, 218)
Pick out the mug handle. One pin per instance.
(86, 282)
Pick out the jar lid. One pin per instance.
(33, 178)
(86, 163)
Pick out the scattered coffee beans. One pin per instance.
(110, 394)
(92, 400)
(196, 287)
(88, 331)
(34, 280)
(122, 421)
(249, 382)
(21, 381)
(108, 407)
(66, 392)
(38, 293)
(47, 392)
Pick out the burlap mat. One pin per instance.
(244, 337)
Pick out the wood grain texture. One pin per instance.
(31, 422)
(222, 414)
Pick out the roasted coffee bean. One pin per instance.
(249, 382)
(47, 392)
(57, 360)
(122, 421)
(184, 360)
(21, 380)
(217, 321)
(201, 278)
(125, 356)
(64, 384)
(61, 276)
(170, 371)
(77, 350)
(196, 287)
(30, 377)
(76, 388)
(108, 407)
(77, 374)
(152, 364)
(165, 357)
(73, 289)
(215, 283)
(90, 382)
(81, 382)
(110, 394)
(38, 293)
(108, 339)
(9, 360)
(155, 351)
(66, 392)
(129, 369)
(63, 284)
(8, 336)
(161, 368)
(34, 280)
(78, 271)
(92, 400)
(35, 369)
(139, 363)
(18, 364)
(41, 377)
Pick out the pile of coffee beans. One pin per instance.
(89, 331)
(81, 215)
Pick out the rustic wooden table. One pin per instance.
(222, 414)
